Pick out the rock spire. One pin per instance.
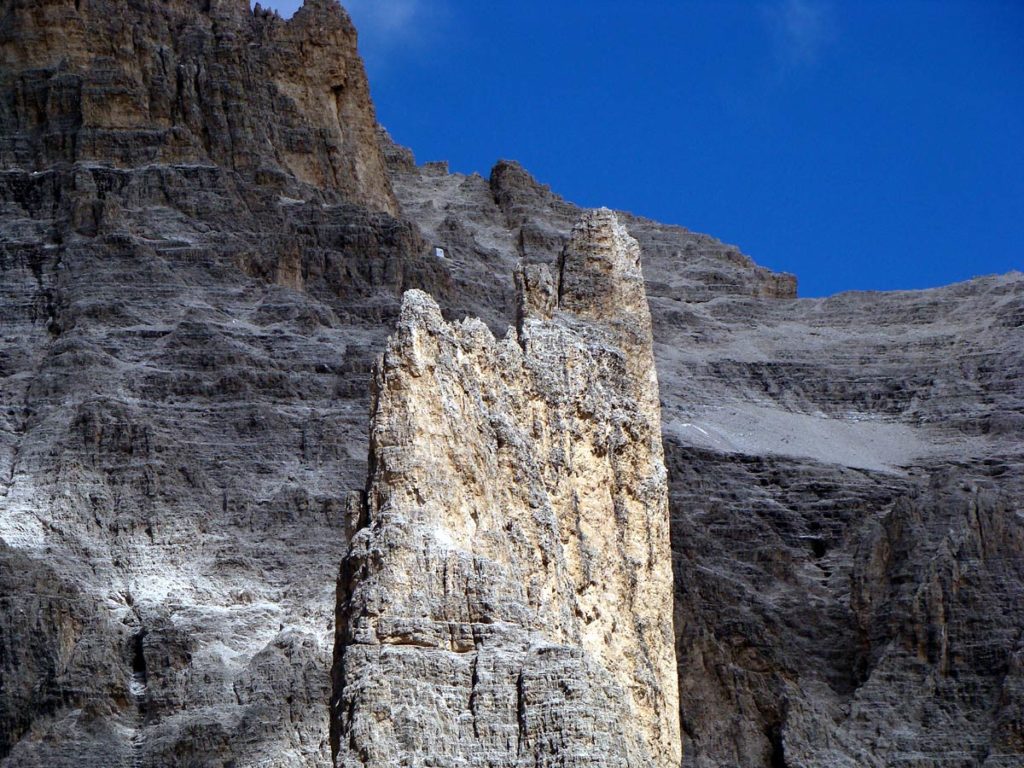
(508, 599)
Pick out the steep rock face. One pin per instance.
(199, 250)
(173, 452)
(485, 226)
(938, 616)
(508, 598)
(796, 433)
(124, 84)
(792, 429)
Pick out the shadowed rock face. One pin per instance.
(508, 598)
(795, 432)
(201, 257)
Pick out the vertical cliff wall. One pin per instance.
(801, 436)
(199, 249)
(508, 598)
(129, 83)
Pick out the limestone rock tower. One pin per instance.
(507, 600)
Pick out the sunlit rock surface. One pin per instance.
(508, 598)
(795, 431)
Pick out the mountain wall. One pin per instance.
(796, 431)
(200, 255)
(126, 84)
(204, 242)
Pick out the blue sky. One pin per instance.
(860, 145)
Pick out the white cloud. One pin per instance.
(801, 30)
(387, 22)
(389, 17)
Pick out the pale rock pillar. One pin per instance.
(508, 598)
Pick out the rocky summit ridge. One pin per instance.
(205, 240)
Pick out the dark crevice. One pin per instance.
(818, 548)
(139, 656)
(777, 758)
(473, 703)
(521, 712)
(561, 277)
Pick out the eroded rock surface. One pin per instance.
(200, 252)
(793, 430)
(186, 83)
(508, 598)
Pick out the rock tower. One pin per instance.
(508, 598)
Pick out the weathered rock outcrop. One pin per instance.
(199, 251)
(508, 598)
(792, 429)
(187, 83)
(796, 433)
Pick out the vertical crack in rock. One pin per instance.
(509, 599)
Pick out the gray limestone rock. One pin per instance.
(199, 250)
(792, 427)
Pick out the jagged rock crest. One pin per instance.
(509, 599)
